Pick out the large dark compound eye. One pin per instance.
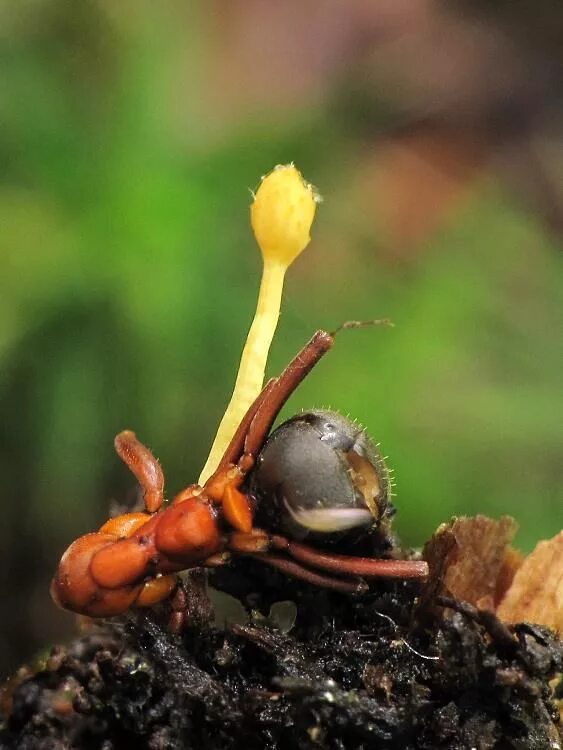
(320, 473)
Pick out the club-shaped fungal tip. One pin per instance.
(281, 216)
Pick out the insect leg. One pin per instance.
(349, 565)
(295, 570)
(282, 388)
(144, 466)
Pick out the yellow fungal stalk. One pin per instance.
(281, 216)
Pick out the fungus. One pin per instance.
(281, 216)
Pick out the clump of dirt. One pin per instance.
(389, 669)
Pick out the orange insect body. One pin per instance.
(105, 573)
(131, 560)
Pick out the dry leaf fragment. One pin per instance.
(484, 556)
(480, 566)
(536, 593)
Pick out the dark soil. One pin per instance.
(367, 672)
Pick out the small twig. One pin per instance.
(498, 631)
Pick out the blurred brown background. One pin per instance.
(130, 134)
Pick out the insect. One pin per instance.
(316, 477)
(132, 559)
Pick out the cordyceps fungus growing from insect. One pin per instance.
(420, 659)
(333, 479)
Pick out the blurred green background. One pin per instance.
(130, 135)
